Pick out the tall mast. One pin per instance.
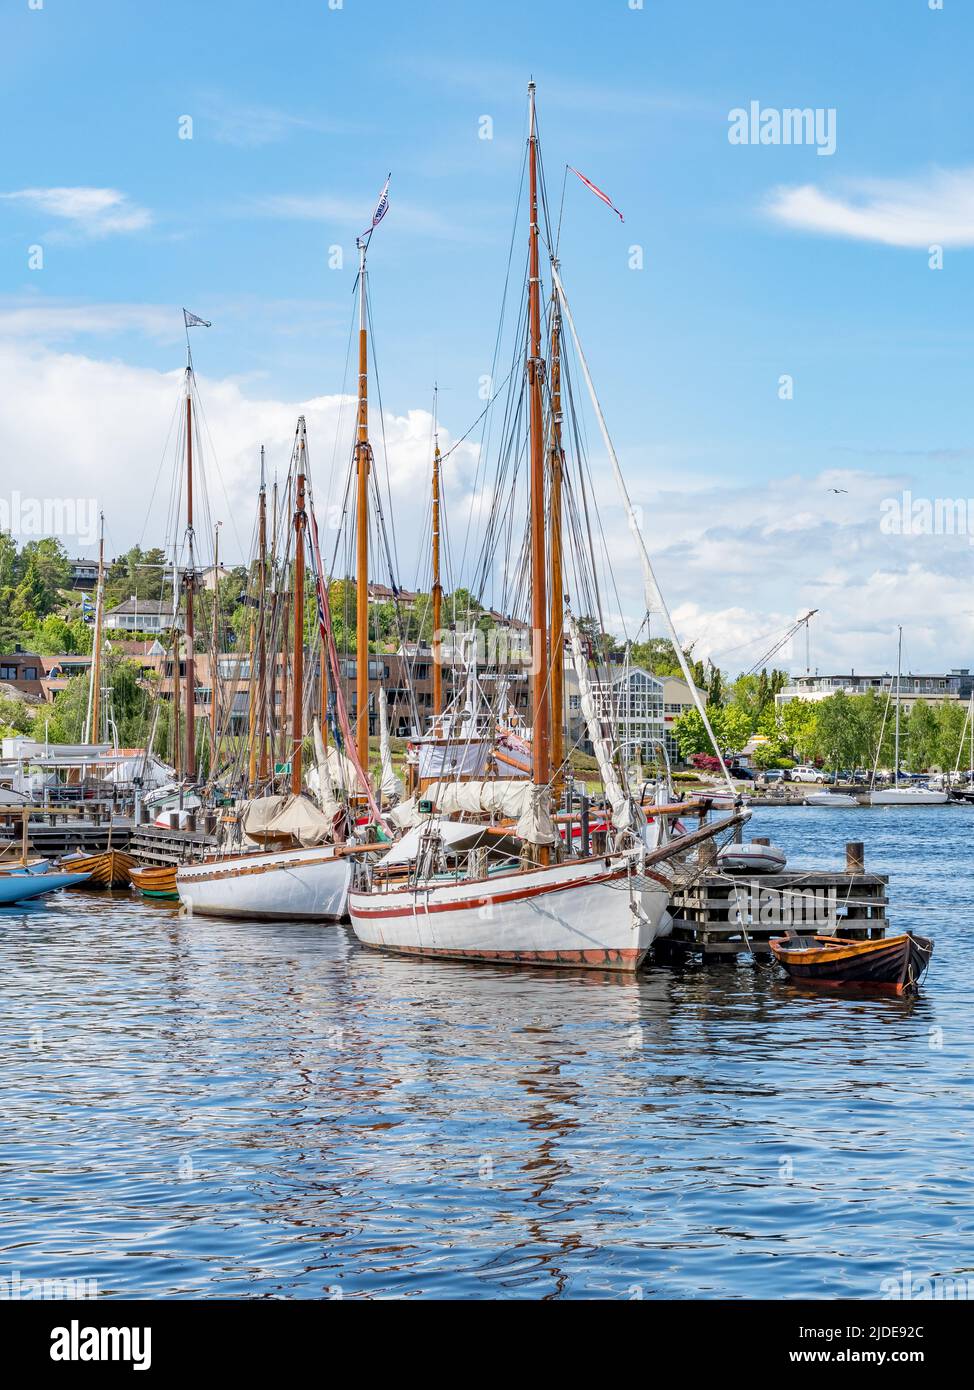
(541, 760)
(262, 622)
(899, 665)
(189, 580)
(94, 728)
(177, 747)
(557, 579)
(362, 525)
(297, 678)
(215, 648)
(437, 588)
(277, 609)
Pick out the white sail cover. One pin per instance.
(622, 808)
(390, 787)
(333, 773)
(297, 816)
(152, 772)
(535, 824)
(511, 800)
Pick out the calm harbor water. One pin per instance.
(208, 1109)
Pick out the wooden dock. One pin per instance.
(717, 913)
(153, 844)
(54, 832)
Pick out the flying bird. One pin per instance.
(838, 489)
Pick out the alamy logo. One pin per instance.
(789, 125)
(925, 1287)
(77, 1343)
(927, 516)
(75, 517)
(784, 907)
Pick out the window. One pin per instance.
(8, 673)
(30, 673)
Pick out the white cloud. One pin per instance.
(935, 209)
(96, 212)
(736, 562)
(252, 126)
(59, 321)
(101, 429)
(357, 212)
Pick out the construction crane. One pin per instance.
(773, 651)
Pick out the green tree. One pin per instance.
(799, 727)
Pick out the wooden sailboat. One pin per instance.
(306, 879)
(505, 891)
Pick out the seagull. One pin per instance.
(838, 489)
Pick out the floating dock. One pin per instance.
(716, 913)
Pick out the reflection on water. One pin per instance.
(213, 1109)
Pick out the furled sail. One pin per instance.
(390, 787)
(623, 811)
(332, 773)
(301, 820)
(515, 800)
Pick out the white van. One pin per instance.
(807, 773)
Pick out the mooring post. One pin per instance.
(855, 857)
(583, 823)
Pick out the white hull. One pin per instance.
(303, 884)
(833, 799)
(908, 796)
(576, 913)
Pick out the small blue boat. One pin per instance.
(18, 886)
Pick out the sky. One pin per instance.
(780, 355)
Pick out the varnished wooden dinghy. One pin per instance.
(155, 881)
(895, 965)
(110, 869)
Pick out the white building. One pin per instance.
(630, 704)
(677, 699)
(140, 615)
(933, 689)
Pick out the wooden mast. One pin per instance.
(557, 578)
(94, 729)
(362, 459)
(297, 675)
(214, 648)
(262, 623)
(189, 580)
(177, 747)
(437, 591)
(541, 759)
(270, 722)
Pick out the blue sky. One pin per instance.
(749, 268)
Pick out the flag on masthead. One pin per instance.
(598, 192)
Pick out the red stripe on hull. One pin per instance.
(357, 900)
(621, 960)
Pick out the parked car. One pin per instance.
(776, 774)
(807, 773)
(743, 774)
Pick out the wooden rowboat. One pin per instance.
(155, 881)
(109, 869)
(894, 965)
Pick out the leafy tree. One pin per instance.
(16, 717)
(799, 727)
